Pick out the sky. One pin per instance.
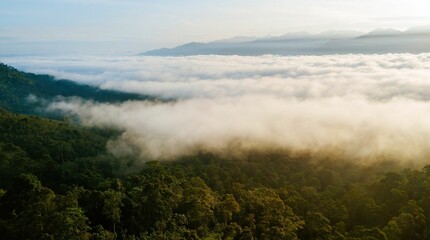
(63, 26)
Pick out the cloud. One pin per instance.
(360, 107)
(381, 77)
(352, 128)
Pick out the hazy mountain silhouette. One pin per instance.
(413, 40)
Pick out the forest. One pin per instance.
(58, 181)
(23, 92)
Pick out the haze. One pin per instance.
(356, 107)
(100, 26)
(361, 106)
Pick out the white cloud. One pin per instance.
(351, 128)
(361, 107)
(373, 76)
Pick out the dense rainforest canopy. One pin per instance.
(58, 181)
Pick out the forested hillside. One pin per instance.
(23, 92)
(59, 181)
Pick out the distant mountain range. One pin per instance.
(379, 41)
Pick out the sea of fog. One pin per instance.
(360, 107)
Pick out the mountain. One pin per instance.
(289, 44)
(380, 41)
(413, 40)
(382, 32)
(340, 34)
(21, 92)
(237, 39)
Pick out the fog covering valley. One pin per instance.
(214, 120)
(215, 147)
(363, 108)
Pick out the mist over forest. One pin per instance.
(361, 107)
(129, 120)
(215, 147)
(235, 147)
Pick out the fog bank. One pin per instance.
(360, 107)
(351, 128)
(379, 77)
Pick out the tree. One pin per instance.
(112, 207)
(316, 226)
(227, 208)
(198, 204)
(68, 224)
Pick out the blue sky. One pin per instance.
(34, 26)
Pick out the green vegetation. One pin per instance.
(25, 92)
(58, 182)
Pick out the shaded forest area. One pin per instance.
(26, 93)
(58, 182)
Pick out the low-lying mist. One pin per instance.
(351, 128)
(379, 77)
(359, 107)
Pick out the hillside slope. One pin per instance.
(20, 91)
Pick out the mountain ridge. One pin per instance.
(412, 40)
(20, 91)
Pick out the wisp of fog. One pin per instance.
(360, 107)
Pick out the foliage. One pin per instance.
(23, 92)
(58, 181)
